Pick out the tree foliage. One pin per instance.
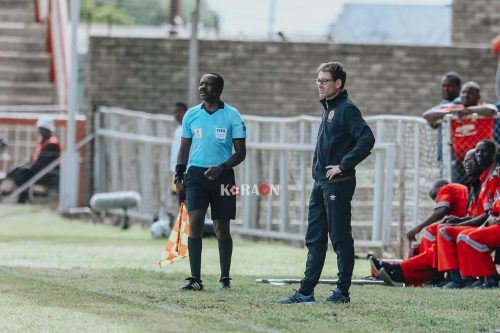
(93, 12)
(142, 12)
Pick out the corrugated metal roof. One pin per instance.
(393, 24)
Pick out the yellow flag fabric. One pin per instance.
(177, 244)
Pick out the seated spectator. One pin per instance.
(450, 199)
(448, 236)
(46, 151)
(474, 248)
(423, 268)
(465, 132)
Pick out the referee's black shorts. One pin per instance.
(201, 192)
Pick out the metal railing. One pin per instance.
(132, 150)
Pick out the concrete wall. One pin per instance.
(273, 78)
(475, 21)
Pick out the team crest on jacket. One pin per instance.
(331, 114)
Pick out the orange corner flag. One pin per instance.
(177, 244)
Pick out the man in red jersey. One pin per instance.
(474, 248)
(423, 267)
(450, 199)
(447, 255)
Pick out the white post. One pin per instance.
(302, 180)
(401, 186)
(378, 195)
(99, 155)
(270, 178)
(247, 213)
(68, 189)
(283, 174)
(446, 144)
(416, 170)
(193, 57)
(388, 189)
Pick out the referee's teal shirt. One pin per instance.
(212, 134)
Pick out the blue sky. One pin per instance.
(294, 17)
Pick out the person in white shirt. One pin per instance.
(179, 111)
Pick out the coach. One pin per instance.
(210, 130)
(344, 140)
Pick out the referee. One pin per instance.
(344, 140)
(210, 130)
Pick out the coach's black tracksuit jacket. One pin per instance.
(344, 139)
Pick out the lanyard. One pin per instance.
(472, 196)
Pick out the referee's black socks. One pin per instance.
(225, 253)
(195, 247)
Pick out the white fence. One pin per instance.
(133, 149)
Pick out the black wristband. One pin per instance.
(179, 171)
(224, 166)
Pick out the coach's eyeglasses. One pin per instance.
(322, 82)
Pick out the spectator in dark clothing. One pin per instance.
(344, 140)
(451, 84)
(47, 150)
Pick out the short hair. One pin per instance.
(473, 85)
(440, 183)
(454, 77)
(181, 105)
(336, 69)
(471, 153)
(436, 187)
(489, 145)
(219, 81)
